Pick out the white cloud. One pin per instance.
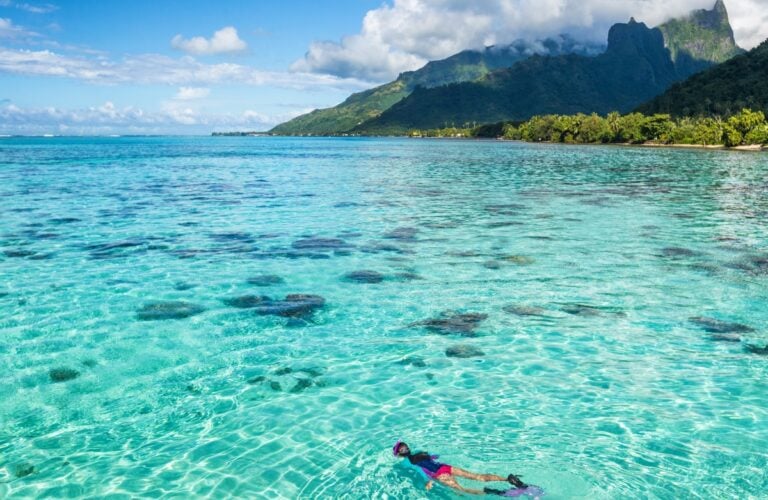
(10, 30)
(108, 119)
(408, 33)
(223, 41)
(749, 19)
(37, 8)
(159, 69)
(192, 93)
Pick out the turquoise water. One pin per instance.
(617, 300)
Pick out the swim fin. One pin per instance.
(492, 491)
(515, 481)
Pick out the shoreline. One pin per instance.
(754, 148)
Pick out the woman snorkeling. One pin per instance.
(446, 474)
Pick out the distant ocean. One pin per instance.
(264, 317)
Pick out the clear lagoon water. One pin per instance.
(604, 309)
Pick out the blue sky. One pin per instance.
(193, 66)
(274, 34)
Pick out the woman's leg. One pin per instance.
(451, 483)
(476, 477)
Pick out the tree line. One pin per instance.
(744, 128)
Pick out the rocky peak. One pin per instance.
(702, 38)
(633, 38)
(717, 18)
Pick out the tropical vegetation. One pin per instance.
(741, 82)
(746, 127)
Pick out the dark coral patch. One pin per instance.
(402, 234)
(171, 309)
(506, 209)
(581, 310)
(292, 306)
(23, 470)
(463, 351)
(383, 247)
(226, 237)
(713, 325)
(725, 337)
(320, 244)
(521, 310)
(520, 260)
(364, 276)
(64, 220)
(678, 252)
(246, 301)
(754, 349)
(19, 253)
(116, 248)
(63, 374)
(347, 204)
(453, 324)
(416, 361)
(301, 385)
(265, 280)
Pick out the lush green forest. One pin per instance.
(746, 127)
(719, 91)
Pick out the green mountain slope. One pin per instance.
(741, 82)
(700, 39)
(465, 66)
(636, 66)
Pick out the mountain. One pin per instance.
(518, 81)
(635, 67)
(700, 39)
(638, 64)
(465, 66)
(741, 82)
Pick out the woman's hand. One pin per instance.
(429, 485)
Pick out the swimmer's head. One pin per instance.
(401, 449)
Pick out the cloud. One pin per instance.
(37, 9)
(749, 19)
(223, 41)
(32, 8)
(13, 31)
(158, 69)
(109, 118)
(406, 34)
(192, 93)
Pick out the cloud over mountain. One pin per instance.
(406, 34)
